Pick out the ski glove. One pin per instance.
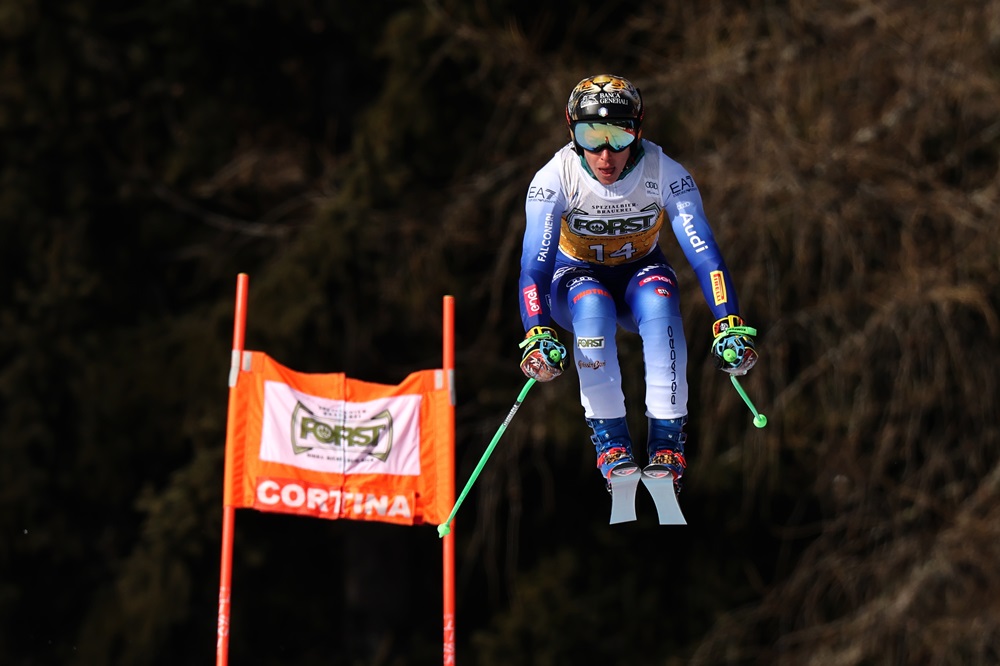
(544, 358)
(734, 348)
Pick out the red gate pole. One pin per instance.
(228, 511)
(448, 542)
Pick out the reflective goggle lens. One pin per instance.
(598, 136)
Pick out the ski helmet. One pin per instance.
(604, 98)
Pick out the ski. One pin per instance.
(622, 487)
(661, 487)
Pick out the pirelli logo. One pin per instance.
(718, 287)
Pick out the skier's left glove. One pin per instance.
(733, 347)
(544, 357)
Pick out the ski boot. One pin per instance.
(666, 449)
(614, 448)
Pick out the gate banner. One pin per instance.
(327, 446)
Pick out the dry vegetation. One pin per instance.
(848, 156)
(847, 152)
(862, 188)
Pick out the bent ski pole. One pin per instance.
(759, 419)
(445, 527)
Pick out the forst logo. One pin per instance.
(612, 226)
(372, 437)
(590, 343)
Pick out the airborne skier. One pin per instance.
(591, 262)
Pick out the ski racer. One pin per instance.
(591, 262)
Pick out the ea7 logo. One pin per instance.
(536, 193)
(685, 184)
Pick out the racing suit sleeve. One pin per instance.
(690, 226)
(543, 209)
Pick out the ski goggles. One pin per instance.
(595, 137)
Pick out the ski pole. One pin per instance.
(759, 419)
(445, 527)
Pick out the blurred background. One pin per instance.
(360, 162)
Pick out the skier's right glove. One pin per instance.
(733, 347)
(544, 358)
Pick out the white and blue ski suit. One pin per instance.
(591, 261)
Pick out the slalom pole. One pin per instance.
(730, 356)
(445, 527)
(228, 510)
(759, 419)
(448, 544)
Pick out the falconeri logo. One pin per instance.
(372, 437)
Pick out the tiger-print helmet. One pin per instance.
(604, 97)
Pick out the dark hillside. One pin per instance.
(360, 164)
